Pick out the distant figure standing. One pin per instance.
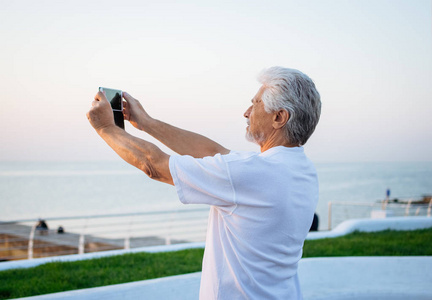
(386, 200)
(42, 227)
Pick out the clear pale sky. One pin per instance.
(194, 64)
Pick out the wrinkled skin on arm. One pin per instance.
(137, 152)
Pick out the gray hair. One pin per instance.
(296, 93)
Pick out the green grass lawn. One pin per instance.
(63, 276)
(384, 243)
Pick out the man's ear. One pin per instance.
(280, 118)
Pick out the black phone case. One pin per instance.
(119, 119)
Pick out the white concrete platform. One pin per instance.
(355, 278)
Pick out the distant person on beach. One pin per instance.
(42, 227)
(261, 203)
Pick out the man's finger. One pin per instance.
(125, 111)
(100, 97)
(128, 97)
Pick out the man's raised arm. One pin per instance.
(137, 152)
(179, 140)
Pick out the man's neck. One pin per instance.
(275, 140)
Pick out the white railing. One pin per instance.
(341, 211)
(21, 239)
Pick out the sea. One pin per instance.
(32, 190)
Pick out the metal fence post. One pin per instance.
(329, 215)
(408, 208)
(31, 242)
(429, 208)
(168, 236)
(128, 235)
(384, 204)
(81, 242)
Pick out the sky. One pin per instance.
(194, 64)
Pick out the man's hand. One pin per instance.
(135, 113)
(100, 114)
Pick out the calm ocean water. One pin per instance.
(42, 190)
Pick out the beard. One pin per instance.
(256, 137)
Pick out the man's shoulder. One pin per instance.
(279, 160)
(239, 155)
(272, 153)
(218, 160)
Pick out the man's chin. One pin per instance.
(251, 138)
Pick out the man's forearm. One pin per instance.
(139, 153)
(184, 142)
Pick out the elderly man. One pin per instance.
(261, 203)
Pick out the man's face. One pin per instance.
(259, 121)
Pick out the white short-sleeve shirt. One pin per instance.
(262, 206)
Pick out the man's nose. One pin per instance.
(247, 112)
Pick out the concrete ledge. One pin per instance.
(336, 278)
(29, 263)
(372, 225)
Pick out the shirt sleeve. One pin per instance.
(202, 180)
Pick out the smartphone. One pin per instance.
(115, 98)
